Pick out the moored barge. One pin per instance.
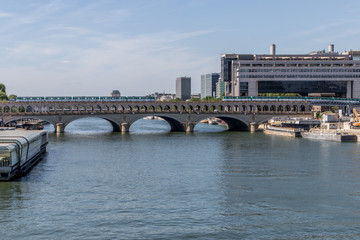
(20, 150)
(330, 136)
(283, 131)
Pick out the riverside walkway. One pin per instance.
(181, 116)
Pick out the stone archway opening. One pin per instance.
(156, 124)
(31, 123)
(212, 124)
(234, 124)
(92, 125)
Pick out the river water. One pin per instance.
(210, 184)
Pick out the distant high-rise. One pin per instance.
(220, 88)
(183, 88)
(208, 84)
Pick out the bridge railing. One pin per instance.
(148, 112)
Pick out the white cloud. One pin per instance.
(5, 14)
(135, 65)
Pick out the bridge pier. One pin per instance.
(60, 128)
(254, 126)
(125, 127)
(189, 127)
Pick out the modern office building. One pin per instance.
(208, 84)
(323, 73)
(183, 88)
(220, 88)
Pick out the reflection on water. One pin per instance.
(210, 184)
(142, 126)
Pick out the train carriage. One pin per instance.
(107, 98)
(86, 98)
(58, 98)
(30, 99)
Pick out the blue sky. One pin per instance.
(79, 47)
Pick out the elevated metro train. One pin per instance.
(85, 98)
(300, 99)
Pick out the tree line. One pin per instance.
(3, 95)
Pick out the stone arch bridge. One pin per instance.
(181, 116)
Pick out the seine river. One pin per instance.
(210, 184)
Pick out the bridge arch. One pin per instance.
(233, 123)
(115, 125)
(302, 108)
(97, 108)
(18, 118)
(175, 124)
(159, 108)
(143, 108)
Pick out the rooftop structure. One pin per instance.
(115, 93)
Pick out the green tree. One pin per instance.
(3, 96)
(208, 99)
(194, 99)
(335, 108)
(176, 100)
(2, 88)
(12, 96)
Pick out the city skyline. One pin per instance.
(141, 47)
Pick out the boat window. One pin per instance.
(5, 159)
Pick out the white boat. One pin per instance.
(20, 150)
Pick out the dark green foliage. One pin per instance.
(12, 96)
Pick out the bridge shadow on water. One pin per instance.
(142, 126)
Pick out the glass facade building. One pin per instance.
(220, 88)
(208, 84)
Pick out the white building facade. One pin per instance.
(324, 73)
